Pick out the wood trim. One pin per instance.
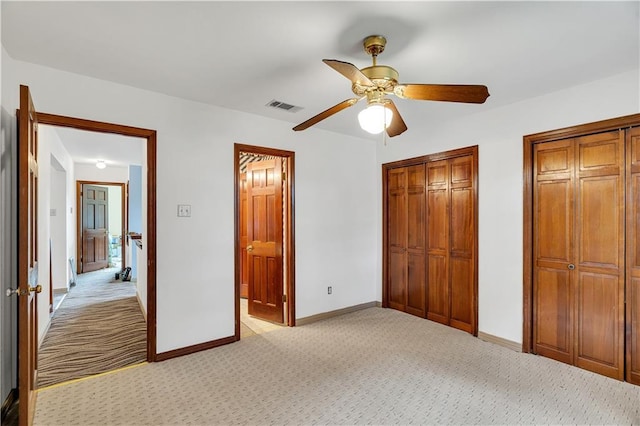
(446, 155)
(163, 356)
(336, 313)
(151, 144)
(505, 343)
(528, 142)
(290, 224)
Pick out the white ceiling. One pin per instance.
(241, 55)
(88, 147)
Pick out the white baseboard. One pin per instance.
(144, 312)
(337, 312)
(509, 344)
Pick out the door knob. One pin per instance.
(37, 289)
(571, 266)
(12, 291)
(249, 248)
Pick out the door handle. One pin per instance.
(571, 266)
(37, 289)
(249, 248)
(11, 291)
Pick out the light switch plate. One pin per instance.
(184, 210)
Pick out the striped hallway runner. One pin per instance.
(98, 327)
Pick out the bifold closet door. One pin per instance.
(579, 229)
(451, 242)
(633, 257)
(406, 235)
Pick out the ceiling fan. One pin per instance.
(378, 81)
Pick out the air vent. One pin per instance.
(284, 106)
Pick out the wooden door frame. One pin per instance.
(79, 184)
(446, 155)
(150, 235)
(529, 141)
(289, 241)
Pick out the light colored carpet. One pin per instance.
(98, 327)
(375, 366)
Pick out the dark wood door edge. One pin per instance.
(10, 403)
(290, 225)
(527, 169)
(446, 155)
(163, 356)
(150, 237)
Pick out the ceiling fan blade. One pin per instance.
(443, 92)
(350, 71)
(397, 125)
(326, 113)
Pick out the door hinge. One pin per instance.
(284, 176)
(284, 298)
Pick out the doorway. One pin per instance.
(149, 143)
(582, 245)
(264, 234)
(101, 225)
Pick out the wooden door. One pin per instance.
(451, 242)
(244, 272)
(553, 250)
(397, 238)
(27, 257)
(265, 237)
(438, 241)
(95, 227)
(633, 257)
(462, 233)
(406, 239)
(579, 229)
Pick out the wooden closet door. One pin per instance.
(462, 244)
(633, 257)
(599, 264)
(397, 237)
(438, 241)
(579, 252)
(553, 181)
(416, 219)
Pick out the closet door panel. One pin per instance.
(462, 298)
(416, 284)
(397, 238)
(599, 242)
(553, 300)
(438, 295)
(416, 221)
(632, 326)
(438, 241)
(397, 279)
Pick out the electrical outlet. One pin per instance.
(184, 210)
(329, 290)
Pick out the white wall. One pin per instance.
(49, 146)
(499, 133)
(115, 210)
(58, 210)
(335, 199)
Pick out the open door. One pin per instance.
(95, 227)
(264, 238)
(27, 257)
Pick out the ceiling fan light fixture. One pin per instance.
(375, 118)
(101, 164)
